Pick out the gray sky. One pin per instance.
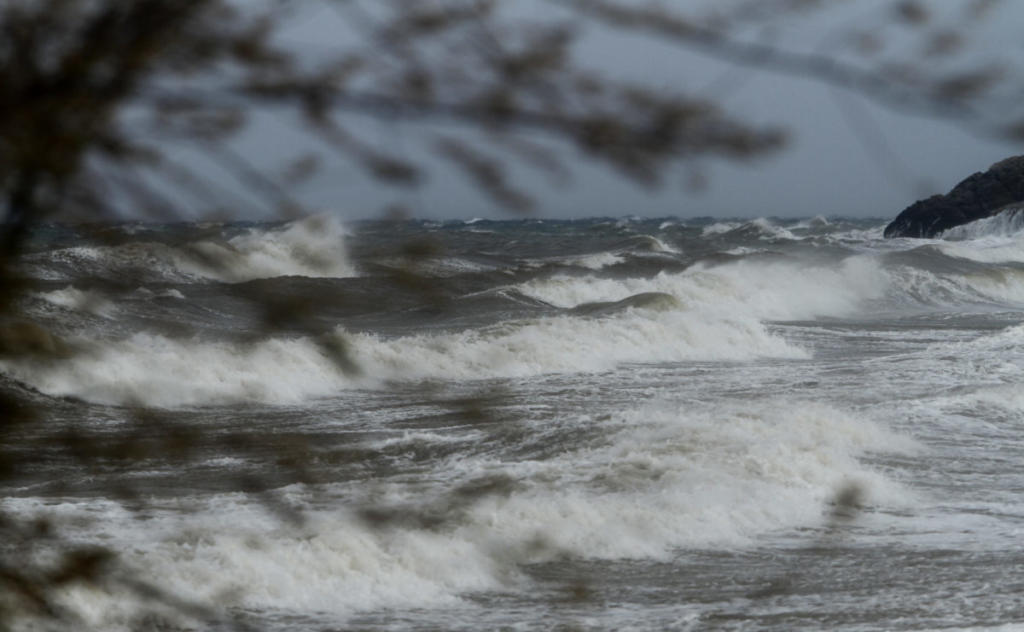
(845, 154)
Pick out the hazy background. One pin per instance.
(845, 154)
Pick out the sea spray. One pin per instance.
(312, 247)
(664, 477)
(553, 423)
(759, 290)
(161, 371)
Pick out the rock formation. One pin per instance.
(979, 196)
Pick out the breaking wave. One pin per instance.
(311, 247)
(669, 476)
(752, 289)
(161, 371)
(75, 299)
(760, 228)
(1007, 223)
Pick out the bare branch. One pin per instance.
(895, 90)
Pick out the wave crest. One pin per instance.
(1004, 224)
(159, 371)
(310, 247)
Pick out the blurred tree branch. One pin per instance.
(85, 84)
(96, 96)
(953, 95)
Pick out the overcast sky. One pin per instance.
(845, 154)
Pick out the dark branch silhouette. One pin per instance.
(95, 96)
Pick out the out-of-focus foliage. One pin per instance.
(97, 98)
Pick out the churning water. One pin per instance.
(603, 424)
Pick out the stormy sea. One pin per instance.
(594, 424)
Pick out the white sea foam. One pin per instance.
(997, 239)
(679, 476)
(415, 438)
(770, 230)
(312, 247)
(998, 287)
(986, 249)
(146, 294)
(668, 477)
(864, 239)
(718, 228)
(720, 317)
(171, 293)
(231, 553)
(1005, 288)
(159, 371)
(73, 298)
(797, 290)
(818, 221)
(147, 261)
(569, 344)
(961, 374)
(650, 243)
(154, 370)
(742, 250)
(744, 289)
(636, 245)
(1004, 224)
(1007, 398)
(999, 355)
(596, 261)
(764, 228)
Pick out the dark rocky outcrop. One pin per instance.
(979, 196)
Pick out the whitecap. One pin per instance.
(670, 476)
(73, 298)
(159, 371)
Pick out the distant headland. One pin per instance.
(981, 195)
